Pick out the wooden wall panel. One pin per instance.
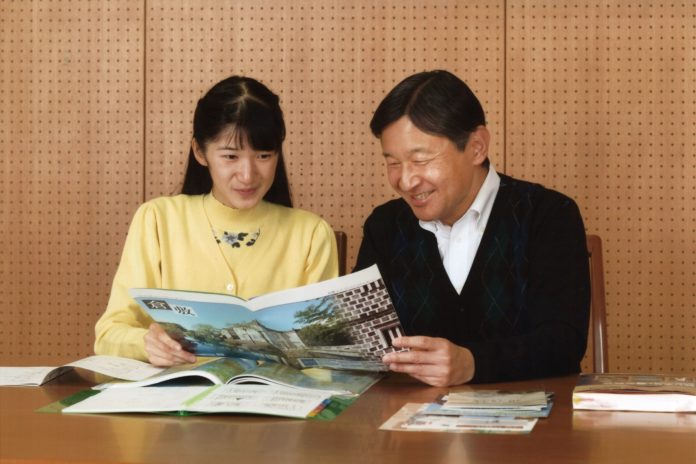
(70, 171)
(594, 98)
(331, 62)
(600, 105)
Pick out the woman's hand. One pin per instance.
(162, 350)
(435, 361)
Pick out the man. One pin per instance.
(489, 274)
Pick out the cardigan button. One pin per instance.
(230, 287)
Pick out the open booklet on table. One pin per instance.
(239, 386)
(217, 371)
(274, 400)
(342, 323)
(220, 371)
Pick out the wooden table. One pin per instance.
(353, 437)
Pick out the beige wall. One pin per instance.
(593, 98)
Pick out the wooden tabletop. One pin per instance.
(353, 437)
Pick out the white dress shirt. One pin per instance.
(458, 244)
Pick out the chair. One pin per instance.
(342, 245)
(598, 322)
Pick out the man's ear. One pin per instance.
(479, 140)
(198, 153)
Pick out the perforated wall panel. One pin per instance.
(71, 134)
(593, 98)
(600, 105)
(331, 63)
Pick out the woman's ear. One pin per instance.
(479, 140)
(198, 153)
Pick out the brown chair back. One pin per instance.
(598, 318)
(342, 244)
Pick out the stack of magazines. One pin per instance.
(635, 392)
(467, 410)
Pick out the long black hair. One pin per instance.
(255, 114)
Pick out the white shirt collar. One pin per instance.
(481, 206)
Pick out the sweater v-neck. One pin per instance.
(433, 254)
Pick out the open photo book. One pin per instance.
(131, 373)
(220, 371)
(343, 323)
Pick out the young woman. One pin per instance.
(232, 230)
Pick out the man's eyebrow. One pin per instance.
(415, 151)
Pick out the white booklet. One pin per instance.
(252, 399)
(113, 366)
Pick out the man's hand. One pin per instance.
(162, 350)
(435, 361)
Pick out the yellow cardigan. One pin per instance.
(180, 243)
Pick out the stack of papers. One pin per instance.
(635, 392)
(495, 403)
(468, 410)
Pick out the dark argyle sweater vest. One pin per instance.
(493, 304)
(428, 303)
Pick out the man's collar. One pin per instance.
(481, 205)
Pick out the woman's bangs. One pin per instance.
(257, 125)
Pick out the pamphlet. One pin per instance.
(113, 366)
(343, 323)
